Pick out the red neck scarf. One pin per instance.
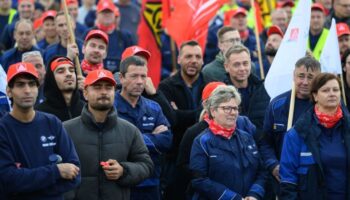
(244, 34)
(219, 130)
(329, 121)
(106, 29)
(88, 67)
(206, 117)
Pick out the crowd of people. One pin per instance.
(209, 130)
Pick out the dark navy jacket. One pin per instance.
(13, 56)
(301, 170)
(42, 44)
(26, 168)
(146, 116)
(58, 50)
(275, 127)
(226, 168)
(4, 105)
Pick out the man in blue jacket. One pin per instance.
(147, 115)
(276, 116)
(38, 159)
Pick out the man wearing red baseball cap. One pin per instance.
(274, 39)
(80, 29)
(34, 144)
(343, 33)
(118, 158)
(317, 34)
(49, 28)
(62, 96)
(107, 20)
(94, 50)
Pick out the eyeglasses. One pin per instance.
(229, 109)
(232, 40)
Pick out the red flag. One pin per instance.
(258, 18)
(166, 11)
(190, 18)
(149, 32)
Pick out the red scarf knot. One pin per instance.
(88, 67)
(329, 121)
(219, 130)
(106, 29)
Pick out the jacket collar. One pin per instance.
(89, 120)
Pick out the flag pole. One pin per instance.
(291, 107)
(173, 55)
(343, 88)
(71, 36)
(262, 74)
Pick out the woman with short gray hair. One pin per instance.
(225, 161)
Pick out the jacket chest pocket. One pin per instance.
(306, 161)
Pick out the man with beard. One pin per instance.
(24, 35)
(183, 91)
(227, 37)
(343, 34)
(254, 96)
(94, 50)
(317, 34)
(274, 39)
(147, 116)
(38, 158)
(61, 92)
(276, 117)
(112, 153)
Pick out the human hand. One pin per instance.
(68, 171)
(173, 104)
(250, 198)
(149, 87)
(113, 170)
(81, 80)
(72, 51)
(276, 173)
(159, 129)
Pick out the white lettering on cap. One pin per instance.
(102, 75)
(21, 68)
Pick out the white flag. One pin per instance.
(3, 83)
(330, 56)
(293, 47)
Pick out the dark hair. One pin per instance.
(26, 76)
(319, 81)
(236, 49)
(309, 63)
(224, 30)
(189, 43)
(132, 60)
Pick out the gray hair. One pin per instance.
(221, 94)
(30, 54)
(25, 21)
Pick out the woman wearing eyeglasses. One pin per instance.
(315, 160)
(225, 161)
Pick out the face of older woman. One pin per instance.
(226, 113)
(328, 96)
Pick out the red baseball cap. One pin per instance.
(209, 88)
(274, 30)
(60, 61)
(20, 1)
(37, 23)
(97, 75)
(282, 4)
(21, 68)
(318, 6)
(105, 5)
(70, 2)
(342, 29)
(48, 14)
(97, 34)
(232, 13)
(136, 50)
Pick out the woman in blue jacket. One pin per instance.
(315, 160)
(224, 160)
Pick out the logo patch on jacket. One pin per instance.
(47, 141)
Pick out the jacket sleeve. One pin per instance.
(161, 142)
(289, 164)
(201, 183)
(139, 165)
(266, 144)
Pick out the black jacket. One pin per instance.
(258, 103)
(54, 101)
(174, 90)
(310, 185)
